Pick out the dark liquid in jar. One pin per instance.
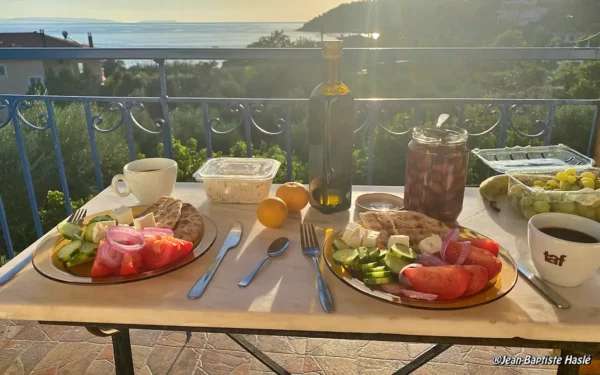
(436, 177)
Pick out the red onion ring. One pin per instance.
(430, 260)
(154, 231)
(452, 235)
(418, 295)
(402, 279)
(395, 289)
(109, 256)
(115, 236)
(464, 253)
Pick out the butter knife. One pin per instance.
(231, 241)
(545, 290)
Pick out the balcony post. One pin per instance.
(6, 231)
(595, 136)
(166, 129)
(26, 170)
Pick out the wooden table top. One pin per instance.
(283, 296)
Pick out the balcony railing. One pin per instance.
(372, 111)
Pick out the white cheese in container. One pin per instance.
(238, 180)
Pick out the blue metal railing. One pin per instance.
(373, 110)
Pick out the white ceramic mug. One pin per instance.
(147, 179)
(561, 262)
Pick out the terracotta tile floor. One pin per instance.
(31, 348)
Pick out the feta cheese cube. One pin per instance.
(144, 222)
(399, 239)
(349, 232)
(356, 239)
(431, 244)
(124, 215)
(100, 229)
(370, 240)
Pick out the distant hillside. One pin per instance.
(408, 18)
(473, 20)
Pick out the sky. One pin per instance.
(171, 10)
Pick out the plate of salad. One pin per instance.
(439, 267)
(124, 245)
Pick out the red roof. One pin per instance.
(34, 40)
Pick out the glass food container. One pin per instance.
(238, 180)
(436, 172)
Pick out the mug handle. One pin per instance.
(116, 179)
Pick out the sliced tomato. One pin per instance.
(485, 244)
(447, 282)
(185, 247)
(131, 264)
(476, 256)
(479, 278)
(99, 269)
(159, 252)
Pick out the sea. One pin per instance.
(160, 34)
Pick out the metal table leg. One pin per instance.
(258, 354)
(121, 348)
(423, 358)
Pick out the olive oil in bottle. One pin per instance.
(331, 122)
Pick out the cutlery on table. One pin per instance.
(276, 248)
(233, 238)
(543, 288)
(76, 218)
(310, 248)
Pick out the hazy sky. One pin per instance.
(178, 10)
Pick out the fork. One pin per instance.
(310, 248)
(76, 217)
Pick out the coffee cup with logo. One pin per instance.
(565, 248)
(147, 179)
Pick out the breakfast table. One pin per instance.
(283, 300)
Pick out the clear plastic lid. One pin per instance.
(533, 158)
(238, 169)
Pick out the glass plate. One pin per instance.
(43, 257)
(495, 289)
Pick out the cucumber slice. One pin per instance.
(363, 255)
(98, 219)
(69, 230)
(88, 234)
(81, 257)
(378, 280)
(374, 254)
(382, 254)
(368, 266)
(338, 245)
(378, 268)
(394, 263)
(66, 252)
(404, 252)
(345, 257)
(88, 247)
(373, 275)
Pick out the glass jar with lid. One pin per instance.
(436, 172)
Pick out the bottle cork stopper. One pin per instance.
(332, 49)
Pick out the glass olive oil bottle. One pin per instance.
(331, 122)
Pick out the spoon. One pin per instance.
(441, 120)
(277, 248)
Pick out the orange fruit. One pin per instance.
(294, 194)
(272, 212)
